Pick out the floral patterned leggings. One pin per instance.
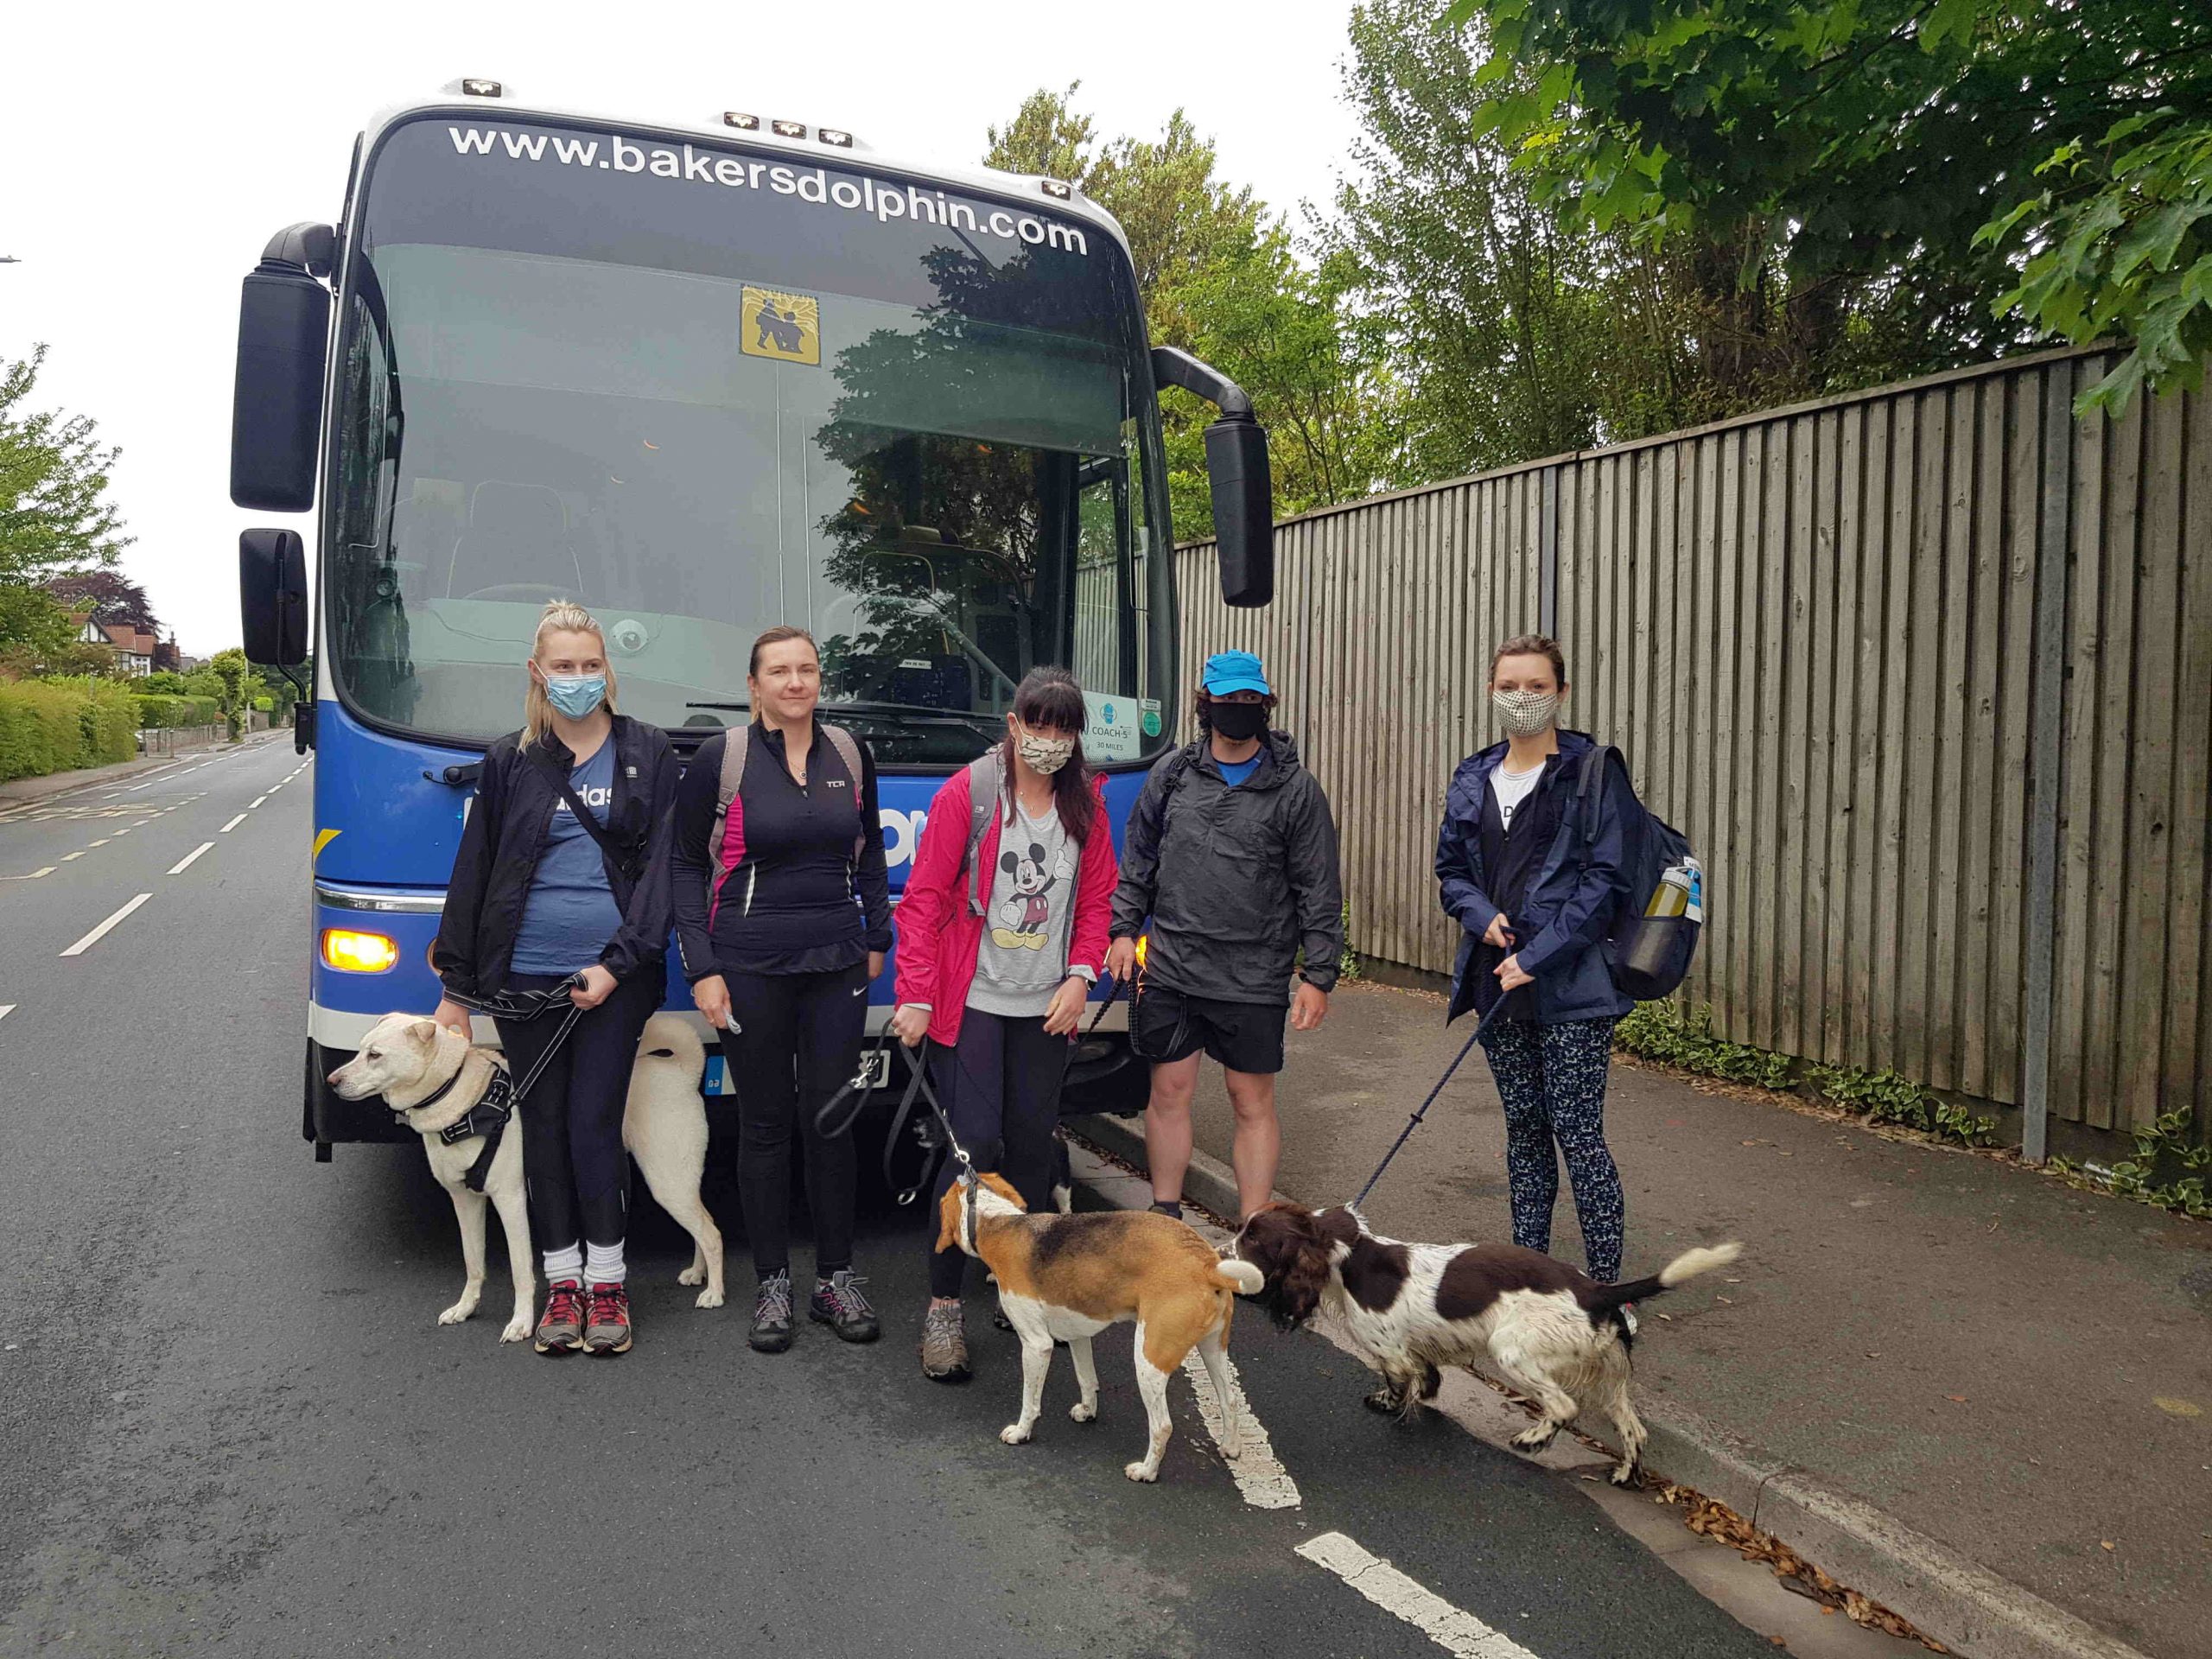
(1552, 1079)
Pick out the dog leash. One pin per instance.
(1406, 1133)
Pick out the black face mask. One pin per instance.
(1237, 720)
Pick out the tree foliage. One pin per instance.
(55, 514)
(107, 595)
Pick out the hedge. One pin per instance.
(60, 725)
(159, 708)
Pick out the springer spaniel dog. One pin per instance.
(1550, 1329)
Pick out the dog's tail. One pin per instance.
(670, 1036)
(1242, 1277)
(1686, 1266)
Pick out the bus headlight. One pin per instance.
(1143, 940)
(351, 952)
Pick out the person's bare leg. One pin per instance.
(1167, 1127)
(1258, 1146)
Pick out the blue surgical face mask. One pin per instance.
(576, 695)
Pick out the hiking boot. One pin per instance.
(606, 1328)
(837, 1303)
(771, 1315)
(561, 1329)
(945, 1345)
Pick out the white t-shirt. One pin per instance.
(1512, 788)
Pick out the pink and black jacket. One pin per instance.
(779, 890)
(940, 928)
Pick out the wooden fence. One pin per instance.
(1925, 673)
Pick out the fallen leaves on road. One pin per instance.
(2174, 1408)
(1723, 1525)
(2106, 1544)
(1956, 1399)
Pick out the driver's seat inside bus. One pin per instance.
(518, 536)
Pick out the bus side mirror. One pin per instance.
(273, 596)
(276, 400)
(1237, 477)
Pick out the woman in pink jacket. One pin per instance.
(997, 957)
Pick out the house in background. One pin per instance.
(133, 645)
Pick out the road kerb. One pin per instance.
(1962, 1603)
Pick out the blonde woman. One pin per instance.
(563, 871)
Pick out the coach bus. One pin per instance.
(705, 378)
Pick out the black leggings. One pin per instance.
(798, 1043)
(572, 1155)
(1000, 1087)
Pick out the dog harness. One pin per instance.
(487, 1117)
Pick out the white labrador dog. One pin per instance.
(409, 1060)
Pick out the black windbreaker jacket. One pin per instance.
(1235, 882)
(500, 847)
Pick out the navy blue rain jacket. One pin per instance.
(1563, 923)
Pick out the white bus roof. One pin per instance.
(1017, 188)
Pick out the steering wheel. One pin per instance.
(538, 592)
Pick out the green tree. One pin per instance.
(239, 685)
(1219, 277)
(55, 516)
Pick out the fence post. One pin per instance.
(1547, 555)
(2047, 681)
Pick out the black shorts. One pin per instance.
(1167, 1025)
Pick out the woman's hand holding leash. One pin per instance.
(1509, 977)
(453, 1017)
(1500, 936)
(710, 995)
(1121, 960)
(910, 1024)
(1067, 1007)
(598, 985)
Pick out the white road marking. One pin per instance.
(232, 825)
(33, 876)
(102, 842)
(1451, 1629)
(125, 830)
(185, 863)
(6, 1008)
(255, 801)
(1260, 1475)
(68, 858)
(100, 932)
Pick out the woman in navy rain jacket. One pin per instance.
(1537, 898)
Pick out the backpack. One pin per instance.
(1654, 933)
(738, 740)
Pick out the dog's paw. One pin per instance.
(1014, 1434)
(1535, 1437)
(692, 1276)
(1140, 1470)
(708, 1298)
(1085, 1411)
(1626, 1474)
(517, 1329)
(1384, 1400)
(459, 1310)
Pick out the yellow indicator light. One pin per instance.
(358, 953)
(1143, 940)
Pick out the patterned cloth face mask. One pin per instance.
(1524, 713)
(1045, 755)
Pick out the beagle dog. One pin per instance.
(1069, 1276)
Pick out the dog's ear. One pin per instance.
(424, 1032)
(1005, 1189)
(948, 1211)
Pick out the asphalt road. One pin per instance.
(229, 1419)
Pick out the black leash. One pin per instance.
(1414, 1123)
(490, 1116)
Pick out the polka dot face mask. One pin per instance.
(1524, 713)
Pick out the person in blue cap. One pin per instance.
(1229, 866)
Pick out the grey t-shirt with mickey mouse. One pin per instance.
(1024, 953)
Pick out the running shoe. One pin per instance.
(837, 1303)
(607, 1329)
(945, 1345)
(561, 1330)
(1170, 1208)
(771, 1315)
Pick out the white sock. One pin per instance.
(605, 1265)
(567, 1262)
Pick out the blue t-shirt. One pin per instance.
(1235, 772)
(570, 913)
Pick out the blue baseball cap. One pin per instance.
(1235, 671)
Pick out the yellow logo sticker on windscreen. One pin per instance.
(786, 326)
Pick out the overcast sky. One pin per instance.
(147, 153)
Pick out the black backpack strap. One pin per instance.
(626, 858)
(1589, 779)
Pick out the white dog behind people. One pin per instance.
(1229, 865)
